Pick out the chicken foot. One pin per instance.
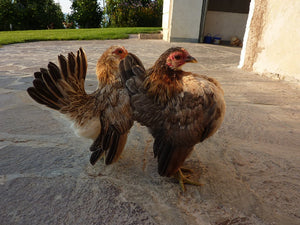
(184, 179)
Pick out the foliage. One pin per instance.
(43, 14)
(70, 22)
(87, 13)
(10, 37)
(7, 11)
(30, 14)
(133, 13)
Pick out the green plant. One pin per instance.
(87, 13)
(30, 14)
(133, 13)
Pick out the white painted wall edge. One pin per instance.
(243, 52)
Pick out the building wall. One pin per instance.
(272, 46)
(225, 24)
(166, 19)
(181, 20)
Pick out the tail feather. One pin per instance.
(71, 63)
(54, 71)
(38, 75)
(82, 62)
(55, 85)
(44, 71)
(41, 87)
(46, 89)
(77, 68)
(51, 86)
(41, 99)
(63, 64)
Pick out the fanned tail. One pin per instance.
(54, 86)
(132, 73)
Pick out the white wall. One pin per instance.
(184, 20)
(279, 45)
(271, 45)
(225, 24)
(165, 20)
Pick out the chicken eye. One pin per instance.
(120, 51)
(177, 57)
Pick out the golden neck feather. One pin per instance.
(163, 87)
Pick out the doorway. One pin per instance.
(224, 19)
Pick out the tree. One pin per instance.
(53, 15)
(7, 14)
(134, 13)
(30, 14)
(87, 13)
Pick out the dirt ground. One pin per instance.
(250, 168)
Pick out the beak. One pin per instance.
(190, 59)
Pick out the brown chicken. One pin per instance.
(180, 108)
(104, 116)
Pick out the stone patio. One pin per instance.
(250, 167)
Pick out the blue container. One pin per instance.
(217, 40)
(208, 39)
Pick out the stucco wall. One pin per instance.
(225, 24)
(273, 44)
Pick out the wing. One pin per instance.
(132, 73)
(197, 114)
(116, 121)
(110, 144)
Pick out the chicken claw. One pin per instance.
(184, 179)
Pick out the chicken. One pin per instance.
(104, 116)
(180, 108)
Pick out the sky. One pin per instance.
(66, 4)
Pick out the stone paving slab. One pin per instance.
(250, 167)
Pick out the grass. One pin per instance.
(11, 37)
